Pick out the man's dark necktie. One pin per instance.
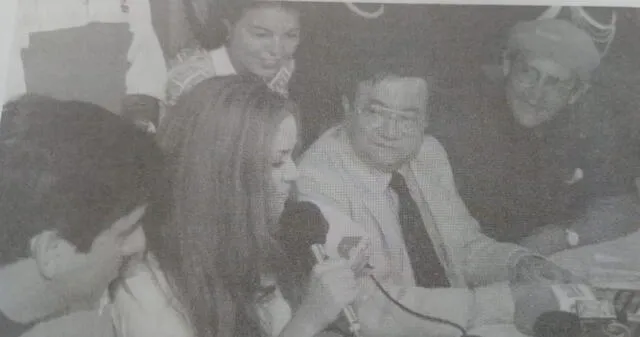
(427, 267)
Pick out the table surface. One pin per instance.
(619, 254)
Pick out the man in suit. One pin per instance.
(395, 183)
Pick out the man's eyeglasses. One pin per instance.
(531, 76)
(378, 115)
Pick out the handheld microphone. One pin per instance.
(303, 225)
(348, 312)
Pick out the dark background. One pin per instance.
(450, 42)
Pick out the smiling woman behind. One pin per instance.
(240, 37)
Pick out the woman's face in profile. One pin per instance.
(264, 39)
(283, 170)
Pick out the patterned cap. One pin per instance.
(559, 41)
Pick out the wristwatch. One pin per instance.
(573, 239)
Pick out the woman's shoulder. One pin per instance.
(144, 305)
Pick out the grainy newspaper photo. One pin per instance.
(222, 168)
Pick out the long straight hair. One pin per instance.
(213, 235)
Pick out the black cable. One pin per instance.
(417, 314)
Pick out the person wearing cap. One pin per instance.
(531, 163)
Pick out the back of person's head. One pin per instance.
(217, 237)
(69, 167)
(15, 113)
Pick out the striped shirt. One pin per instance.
(194, 65)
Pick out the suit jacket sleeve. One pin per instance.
(483, 259)
(322, 179)
(469, 308)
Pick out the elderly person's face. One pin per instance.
(537, 89)
(387, 121)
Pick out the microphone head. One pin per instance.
(557, 324)
(301, 225)
(531, 302)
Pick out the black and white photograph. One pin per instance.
(263, 168)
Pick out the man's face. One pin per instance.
(82, 278)
(538, 89)
(387, 121)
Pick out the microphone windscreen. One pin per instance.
(557, 324)
(302, 224)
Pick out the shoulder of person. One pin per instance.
(145, 305)
(189, 63)
(144, 283)
(325, 169)
(432, 149)
(326, 148)
(189, 68)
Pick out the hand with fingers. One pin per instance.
(537, 269)
(332, 286)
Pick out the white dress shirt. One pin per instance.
(332, 177)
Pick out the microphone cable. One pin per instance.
(417, 314)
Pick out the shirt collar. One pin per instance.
(374, 180)
(222, 62)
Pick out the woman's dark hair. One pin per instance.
(212, 32)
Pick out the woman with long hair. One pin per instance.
(229, 143)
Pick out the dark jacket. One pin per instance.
(514, 179)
